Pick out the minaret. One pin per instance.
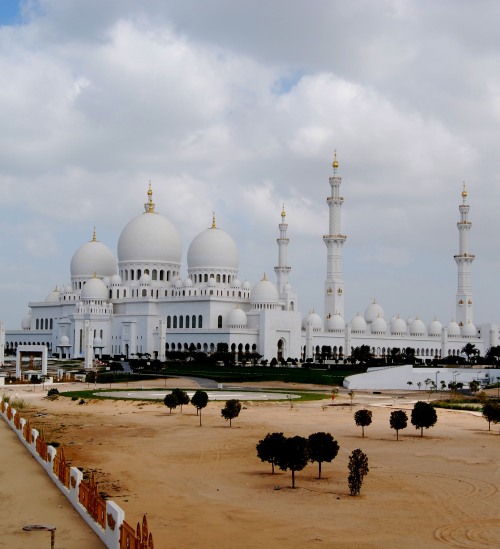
(464, 261)
(282, 269)
(334, 240)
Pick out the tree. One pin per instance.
(409, 383)
(361, 354)
(474, 386)
(363, 418)
(170, 401)
(491, 413)
(231, 410)
(419, 384)
(398, 421)
(322, 447)
(199, 400)
(270, 448)
(469, 350)
(295, 455)
(182, 397)
(423, 415)
(358, 468)
(351, 395)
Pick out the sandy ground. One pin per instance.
(205, 487)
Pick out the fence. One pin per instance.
(105, 518)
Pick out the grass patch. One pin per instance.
(457, 405)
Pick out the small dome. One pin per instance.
(453, 329)
(264, 292)
(236, 283)
(53, 297)
(237, 317)
(91, 258)
(26, 322)
(246, 285)
(417, 327)
(469, 330)
(379, 326)
(373, 311)
(435, 328)
(398, 326)
(115, 280)
(358, 324)
(335, 323)
(213, 249)
(314, 320)
(64, 341)
(145, 279)
(188, 283)
(94, 288)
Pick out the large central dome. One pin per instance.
(151, 238)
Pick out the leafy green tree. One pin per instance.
(182, 397)
(295, 455)
(361, 354)
(423, 416)
(199, 401)
(398, 421)
(231, 410)
(363, 418)
(170, 401)
(358, 468)
(474, 386)
(491, 413)
(270, 448)
(409, 383)
(322, 447)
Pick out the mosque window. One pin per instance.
(211, 292)
(247, 348)
(132, 274)
(193, 321)
(161, 274)
(139, 274)
(239, 294)
(46, 324)
(181, 322)
(124, 293)
(200, 321)
(240, 347)
(146, 271)
(169, 322)
(50, 324)
(187, 321)
(206, 278)
(218, 278)
(233, 347)
(144, 293)
(254, 347)
(292, 306)
(110, 294)
(36, 324)
(179, 346)
(219, 322)
(175, 322)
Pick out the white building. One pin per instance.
(143, 303)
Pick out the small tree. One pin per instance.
(231, 410)
(322, 447)
(199, 400)
(182, 397)
(295, 455)
(351, 395)
(363, 418)
(409, 383)
(398, 421)
(358, 468)
(423, 415)
(491, 413)
(270, 448)
(474, 386)
(170, 401)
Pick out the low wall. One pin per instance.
(105, 517)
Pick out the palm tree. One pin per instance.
(469, 350)
(409, 383)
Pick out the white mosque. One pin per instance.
(144, 304)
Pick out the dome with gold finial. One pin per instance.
(264, 293)
(92, 257)
(213, 251)
(150, 238)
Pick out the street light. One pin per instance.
(438, 372)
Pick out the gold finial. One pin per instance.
(283, 213)
(95, 275)
(214, 226)
(150, 206)
(464, 192)
(94, 238)
(335, 163)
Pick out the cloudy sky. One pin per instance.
(236, 107)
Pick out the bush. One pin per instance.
(52, 392)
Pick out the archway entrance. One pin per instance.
(281, 350)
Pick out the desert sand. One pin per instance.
(204, 487)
